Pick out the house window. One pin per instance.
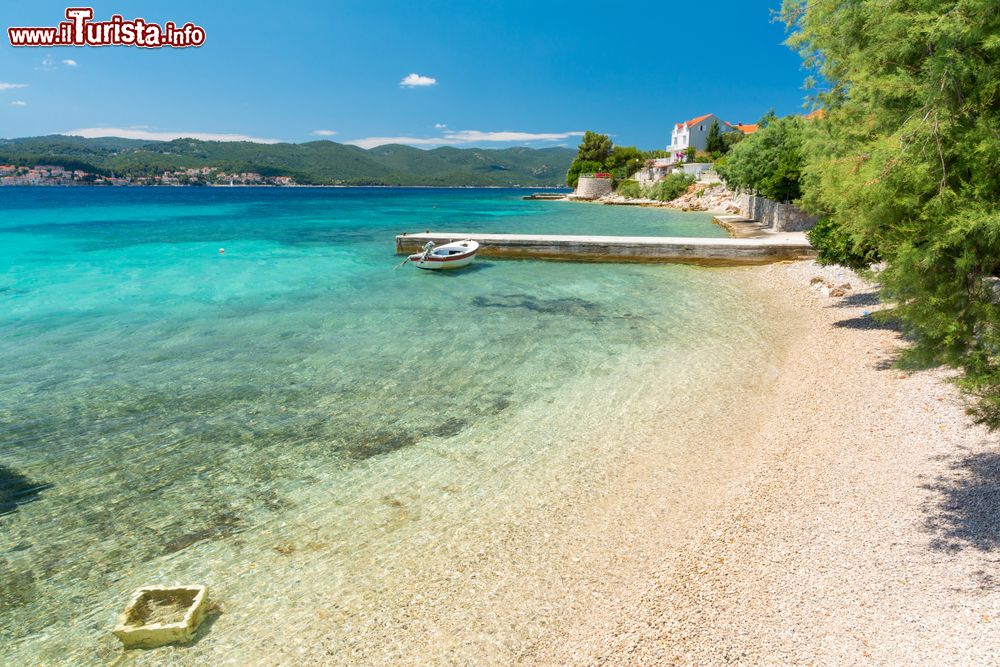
(701, 128)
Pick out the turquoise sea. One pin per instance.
(295, 419)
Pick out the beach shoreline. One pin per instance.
(817, 519)
(864, 533)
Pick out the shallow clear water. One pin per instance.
(169, 412)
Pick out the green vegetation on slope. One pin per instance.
(667, 189)
(317, 162)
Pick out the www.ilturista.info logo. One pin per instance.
(80, 30)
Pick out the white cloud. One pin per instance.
(469, 136)
(19, 103)
(440, 126)
(69, 62)
(415, 80)
(128, 133)
(372, 142)
(48, 63)
(11, 86)
(322, 133)
(458, 137)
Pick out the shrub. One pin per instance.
(834, 245)
(630, 189)
(670, 188)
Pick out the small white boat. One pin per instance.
(448, 256)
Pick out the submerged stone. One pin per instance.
(565, 306)
(381, 442)
(449, 427)
(222, 526)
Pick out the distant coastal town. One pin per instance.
(46, 174)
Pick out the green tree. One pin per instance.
(730, 139)
(594, 147)
(906, 163)
(624, 161)
(769, 161)
(767, 119)
(714, 142)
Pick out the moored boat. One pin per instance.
(448, 256)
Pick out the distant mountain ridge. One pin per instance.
(315, 162)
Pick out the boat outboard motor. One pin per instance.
(427, 249)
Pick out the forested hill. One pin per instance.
(316, 162)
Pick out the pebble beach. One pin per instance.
(865, 532)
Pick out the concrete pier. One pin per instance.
(740, 227)
(702, 251)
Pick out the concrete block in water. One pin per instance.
(159, 615)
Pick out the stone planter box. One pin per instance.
(159, 615)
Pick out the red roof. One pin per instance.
(818, 114)
(694, 121)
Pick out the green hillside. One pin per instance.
(316, 162)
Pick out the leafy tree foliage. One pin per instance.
(581, 167)
(597, 153)
(624, 161)
(767, 119)
(594, 147)
(730, 139)
(907, 163)
(835, 246)
(769, 161)
(714, 142)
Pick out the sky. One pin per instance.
(421, 72)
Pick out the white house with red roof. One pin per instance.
(694, 133)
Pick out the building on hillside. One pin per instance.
(655, 170)
(694, 134)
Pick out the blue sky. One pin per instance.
(289, 70)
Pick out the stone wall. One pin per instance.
(592, 188)
(779, 217)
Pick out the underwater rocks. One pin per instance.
(566, 306)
